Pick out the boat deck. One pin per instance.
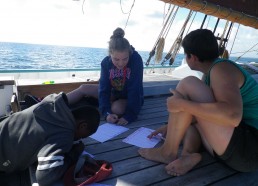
(131, 169)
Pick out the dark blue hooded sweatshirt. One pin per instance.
(124, 83)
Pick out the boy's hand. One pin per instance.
(78, 148)
(76, 151)
(162, 130)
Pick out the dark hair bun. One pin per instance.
(118, 33)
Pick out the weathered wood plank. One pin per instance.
(200, 176)
(131, 169)
(239, 179)
(155, 175)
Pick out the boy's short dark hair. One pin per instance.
(201, 43)
(88, 113)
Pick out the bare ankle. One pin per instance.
(165, 152)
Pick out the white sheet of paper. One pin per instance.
(139, 138)
(108, 131)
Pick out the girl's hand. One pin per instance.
(122, 121)
(112, 118)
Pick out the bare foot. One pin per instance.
(183, 164)
(156, 154)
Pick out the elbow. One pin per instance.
(45, 179)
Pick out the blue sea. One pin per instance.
(20, 56)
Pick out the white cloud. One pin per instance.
(63, 23)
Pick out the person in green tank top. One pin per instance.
(220, 112)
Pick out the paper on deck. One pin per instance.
(139, 138)
(108, 131)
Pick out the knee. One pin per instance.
(189, 84)
(118, 107)
(189, 80)
(83, 87)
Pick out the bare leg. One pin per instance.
(118, 107)
(218, 141)
(189, 157)
(214, 136)
(83, 90)
(177, 126)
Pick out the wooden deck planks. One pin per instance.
(130, 169)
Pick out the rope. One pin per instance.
(163, 32)
(224, 40)
(256, 50)
(191, 23)
(223, 33)
(122, 8)
(83, 6)
(170, 23)
(234, 39)
(229, 33)
(159, 50)
(127, 12)
(164, 27)
(177, 43)
(247, 51)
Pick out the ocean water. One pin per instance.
(17, 56)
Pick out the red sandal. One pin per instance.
(86, 171)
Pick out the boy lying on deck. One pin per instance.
(221, 113)
(44, 134)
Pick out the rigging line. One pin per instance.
(129, 14)
(243, 52)
(122, 8)
(234, 38)
(165, 14)
(223, 34)
(83, 6)
(229, 33)
(191, 23)
(170, 23)
(162, 33)
(177, 43)
(182, 29)
(163, 28)
(168, 17)
(246, 51)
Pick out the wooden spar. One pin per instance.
(219, 11)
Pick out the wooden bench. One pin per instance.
(43, 90)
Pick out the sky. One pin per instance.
(90, 23)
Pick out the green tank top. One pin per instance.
(249, 93)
